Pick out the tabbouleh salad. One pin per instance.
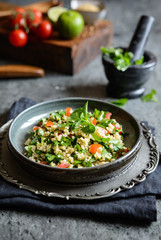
(76, 139)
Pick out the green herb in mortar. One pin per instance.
(122, 59)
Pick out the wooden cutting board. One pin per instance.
(56, 54)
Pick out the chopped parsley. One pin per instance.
(122, 59)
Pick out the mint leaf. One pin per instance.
(96, 138)
(80, 113)
(120, 102)
(89, 128)
(50, 157)
(150, 97)
(122, 59)
(139, 61)
(65, 141)
(34, 140)
(96, 113)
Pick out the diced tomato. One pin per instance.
(43, 162)
(126, 150)
(108, 115)
(49, 124)
(63, 165)
(94, 121)
(119, 153)
(116, 127)
(68, 111)
(94, 148)
(70, 135)
(35, 128)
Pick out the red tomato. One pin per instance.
(119, 152)
(49, 124)
(17, 19)
(20, 10)
(94, 148)
(117, 128)
(63, 165)
(94, 121)
(43, 162)
(108, 115)
(18, 38)
(33, 27)
(44, 30)
(68, 111)
(35, 128)
(33, 17)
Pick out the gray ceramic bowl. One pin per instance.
(19, 132)
(90, 17)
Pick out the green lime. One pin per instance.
(70, 24)
(54, 13)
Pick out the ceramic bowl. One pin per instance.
(24, 122)
(128, 83)
(90, 17)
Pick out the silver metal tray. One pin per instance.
(144, 164)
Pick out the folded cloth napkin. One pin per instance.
(136, 204)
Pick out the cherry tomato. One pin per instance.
(33, 27)
(44, 30)
(18, 38)
(20, 10)
(17, 19)
(108, 115)
(94, 147)
(63, 165)
(33, 17)
(68, 111)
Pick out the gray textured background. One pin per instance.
(90, 82)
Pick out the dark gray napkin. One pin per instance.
(136, 204)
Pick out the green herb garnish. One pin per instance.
(120, 102)
(90, 128)
(80, 113)
(122, 59)
(150, 97)
(81, 117)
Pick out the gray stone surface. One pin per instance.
(90, 82)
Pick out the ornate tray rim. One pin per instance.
(151, 166)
